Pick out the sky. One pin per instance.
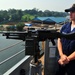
(52, 5)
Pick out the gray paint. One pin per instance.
(50, 63)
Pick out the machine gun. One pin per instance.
(32, 39)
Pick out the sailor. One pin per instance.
(66, 47)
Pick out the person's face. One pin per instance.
(72, 16)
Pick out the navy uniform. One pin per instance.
(68, 47)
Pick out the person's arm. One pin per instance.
(60, 49)
(63, 57)
(71, 56)
(59, 45)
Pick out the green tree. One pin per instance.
(8, 28)
(15, 15)
(20, 26)
(19, 14)
(27, 17)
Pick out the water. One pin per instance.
(9, 47)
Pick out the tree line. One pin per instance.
(17, 15)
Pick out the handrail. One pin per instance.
(15, 66)
(11, 56)
(9, 46)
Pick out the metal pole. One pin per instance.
(35, 68)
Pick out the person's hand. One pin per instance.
(63, 57)
(63, 60)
